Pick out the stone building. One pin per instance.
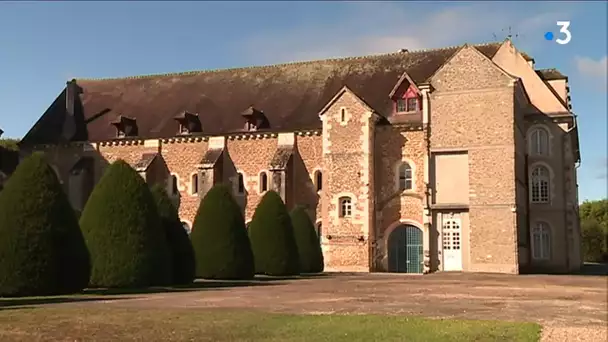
(454, 159)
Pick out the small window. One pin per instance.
(412, 104)
(121, 134)
(241, 184)
(183, 129)
(401, 106)
(541, 241)
(346, 207)
(539, 185)
(318, 180)
(342, 115)
(539, 142)
(194, 184)
(405, 177)
(174, 186)
(319, 230)
(263, 182)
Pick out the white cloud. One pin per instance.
(379, 27)
(594, 70)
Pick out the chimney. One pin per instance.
(71, 91)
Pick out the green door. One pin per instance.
(405, 250)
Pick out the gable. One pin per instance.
(468, 69)
(542, 97)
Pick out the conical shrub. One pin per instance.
(42, 251)
(124, 233)
(219, 238)
(272, 240)
(307, 240)
(178, 240)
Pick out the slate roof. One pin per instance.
(551, 74)
(290, 95)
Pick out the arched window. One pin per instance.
(541, 241)
(174, 185)
(194, 183)
(539, 182)
(318, 180)
(405, 177)
(345, 207)
(263, 182)
(241, 184)
(539, 142)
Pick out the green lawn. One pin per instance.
(96, 323)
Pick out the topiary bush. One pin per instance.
(219, 238)
(307, 240)
(272, 240)
(182, 254)
(42, 251)
(124, 233)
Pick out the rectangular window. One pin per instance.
(401, 106)
(412, 104)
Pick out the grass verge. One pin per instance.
(219, 325)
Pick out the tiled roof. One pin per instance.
(290, 95)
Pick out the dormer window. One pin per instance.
(188, 123)
(254, 119)
(407, 105)
(125, 126)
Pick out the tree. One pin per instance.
(42, 251)
(274, 247)
(123, 231)
(178, 240)
(219, 238)
(594, 230)
(307, 240)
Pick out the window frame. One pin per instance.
(540, 185)
(194, 183)
(240, 183)
(538, 142)
(416, 104)
(263, 182)
(318, 180)
(174, 185)
(401, 103)
(541, 234)
(345, 207)
(403, 169)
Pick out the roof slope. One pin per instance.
(290, 95)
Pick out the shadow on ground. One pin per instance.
(19, 303)
(205, 284)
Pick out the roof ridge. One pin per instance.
(268, 66)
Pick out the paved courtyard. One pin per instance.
(571, 308)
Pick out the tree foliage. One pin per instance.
(178, 240)
(272, 239)
(219, 237)
(124, 233)
(42, 250)
(307, 240)
(594, 230)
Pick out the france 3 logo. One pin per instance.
(565, 34)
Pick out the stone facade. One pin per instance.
(445, 188)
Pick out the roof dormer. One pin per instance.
(254, 119)
(188, 123)
(125, 126)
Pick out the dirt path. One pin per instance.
(571, 308)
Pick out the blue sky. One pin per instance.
(43, 44)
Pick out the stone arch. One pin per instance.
(403, 247)
(547, 130)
